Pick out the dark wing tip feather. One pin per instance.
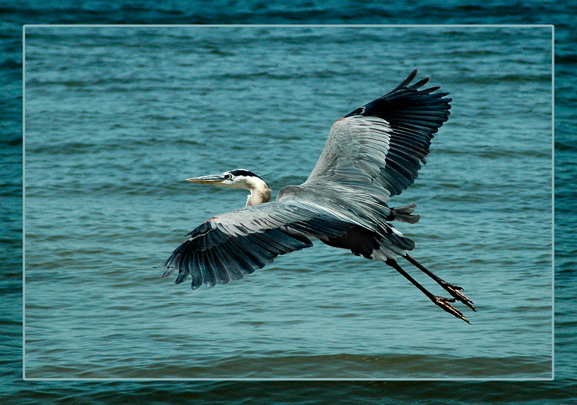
(431, 90)
(419, 84)
(407, 97)
(408, 80)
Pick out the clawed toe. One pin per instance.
(455, 291)
(444, 303)
(452, 289)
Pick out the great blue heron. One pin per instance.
(371, 155)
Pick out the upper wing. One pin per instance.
(230, 245)
(384, 142)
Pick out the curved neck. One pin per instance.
(259, 192)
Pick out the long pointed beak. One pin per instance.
(211, 179)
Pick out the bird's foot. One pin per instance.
(444, 303)
(456, 292)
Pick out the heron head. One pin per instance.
(237, 178)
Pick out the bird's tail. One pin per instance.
(404, 214)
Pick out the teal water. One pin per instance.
(14, 390)
(117, 118)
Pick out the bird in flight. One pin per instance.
(371, 155)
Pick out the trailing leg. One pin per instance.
(454, 290)
(440, 301)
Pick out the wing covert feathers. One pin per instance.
(384, 142)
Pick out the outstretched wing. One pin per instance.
(384, 142)
(230, 245)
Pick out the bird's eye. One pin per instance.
(228, 176)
